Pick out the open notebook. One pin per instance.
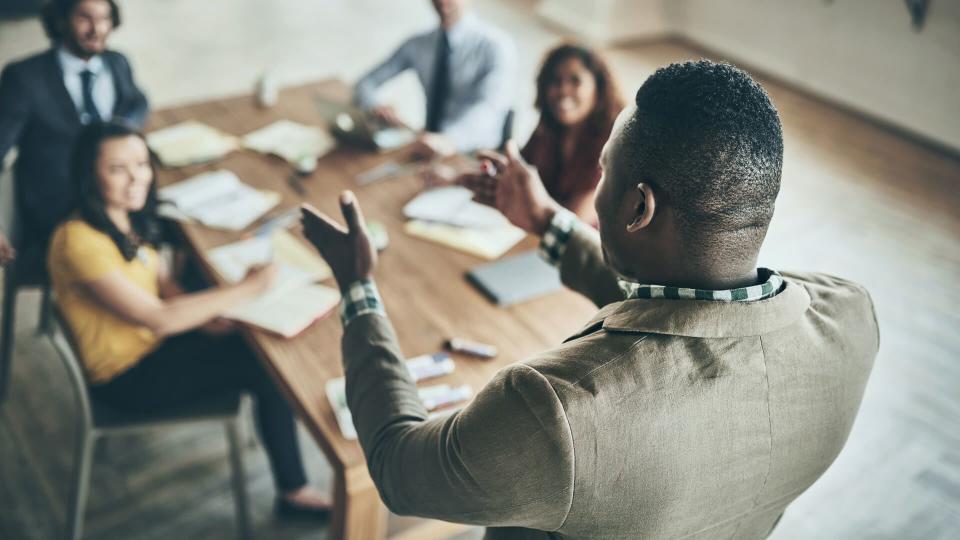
(296, 300)
(217, 199)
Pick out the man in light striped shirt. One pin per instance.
(466, 68)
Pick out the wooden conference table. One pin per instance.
(423, 286)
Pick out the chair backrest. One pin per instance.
(63, 341)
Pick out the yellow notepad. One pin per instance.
(488, 243)
(190, 142)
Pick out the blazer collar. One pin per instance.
(703, 318)
(54, 76)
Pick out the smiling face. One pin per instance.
(124, 174)
(571, 92)
(88, 27)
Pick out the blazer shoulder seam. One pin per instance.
(612, 360)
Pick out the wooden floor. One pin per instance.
(858, 200)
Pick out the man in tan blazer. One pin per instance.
(704, 396)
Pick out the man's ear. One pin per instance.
(644, 208)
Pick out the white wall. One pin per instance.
(863, 54)
(608, 20)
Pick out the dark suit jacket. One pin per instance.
(38, 116)
(659, 419)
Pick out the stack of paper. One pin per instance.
(450, 217)
(216, 199)
(295, 301)
(292, 141)
(453, 205)
(190, 142)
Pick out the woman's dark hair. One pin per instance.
(90, 204)
(57, 12)
(609, 100)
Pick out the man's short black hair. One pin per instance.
(708, 138)
(57, 12)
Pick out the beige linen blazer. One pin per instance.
(659, 419)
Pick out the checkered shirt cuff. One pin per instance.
(360, 298)
(554, 241)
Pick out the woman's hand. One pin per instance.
(259, 278)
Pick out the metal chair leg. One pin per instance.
(238, 478)
(46, 311)
(249, 425)
(83, 462)
(7, 330)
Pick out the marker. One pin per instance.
(472, 348)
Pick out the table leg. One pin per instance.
(358, 513)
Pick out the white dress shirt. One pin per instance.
(482, 75)
(104, 92)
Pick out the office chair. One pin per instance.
(98, 421)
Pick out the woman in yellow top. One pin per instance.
(145, 344)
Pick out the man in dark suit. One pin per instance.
(44, 100)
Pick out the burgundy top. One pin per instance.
(571, 182)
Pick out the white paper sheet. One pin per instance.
(219, 199)
(453, 205)
(292, 141)
(288, 310)
(298, 264)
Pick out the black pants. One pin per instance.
(194, 365)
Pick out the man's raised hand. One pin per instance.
(348, 251)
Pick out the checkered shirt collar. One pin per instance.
(771, 284)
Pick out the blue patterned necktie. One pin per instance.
(90, 112)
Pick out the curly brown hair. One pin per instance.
(609, 99)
